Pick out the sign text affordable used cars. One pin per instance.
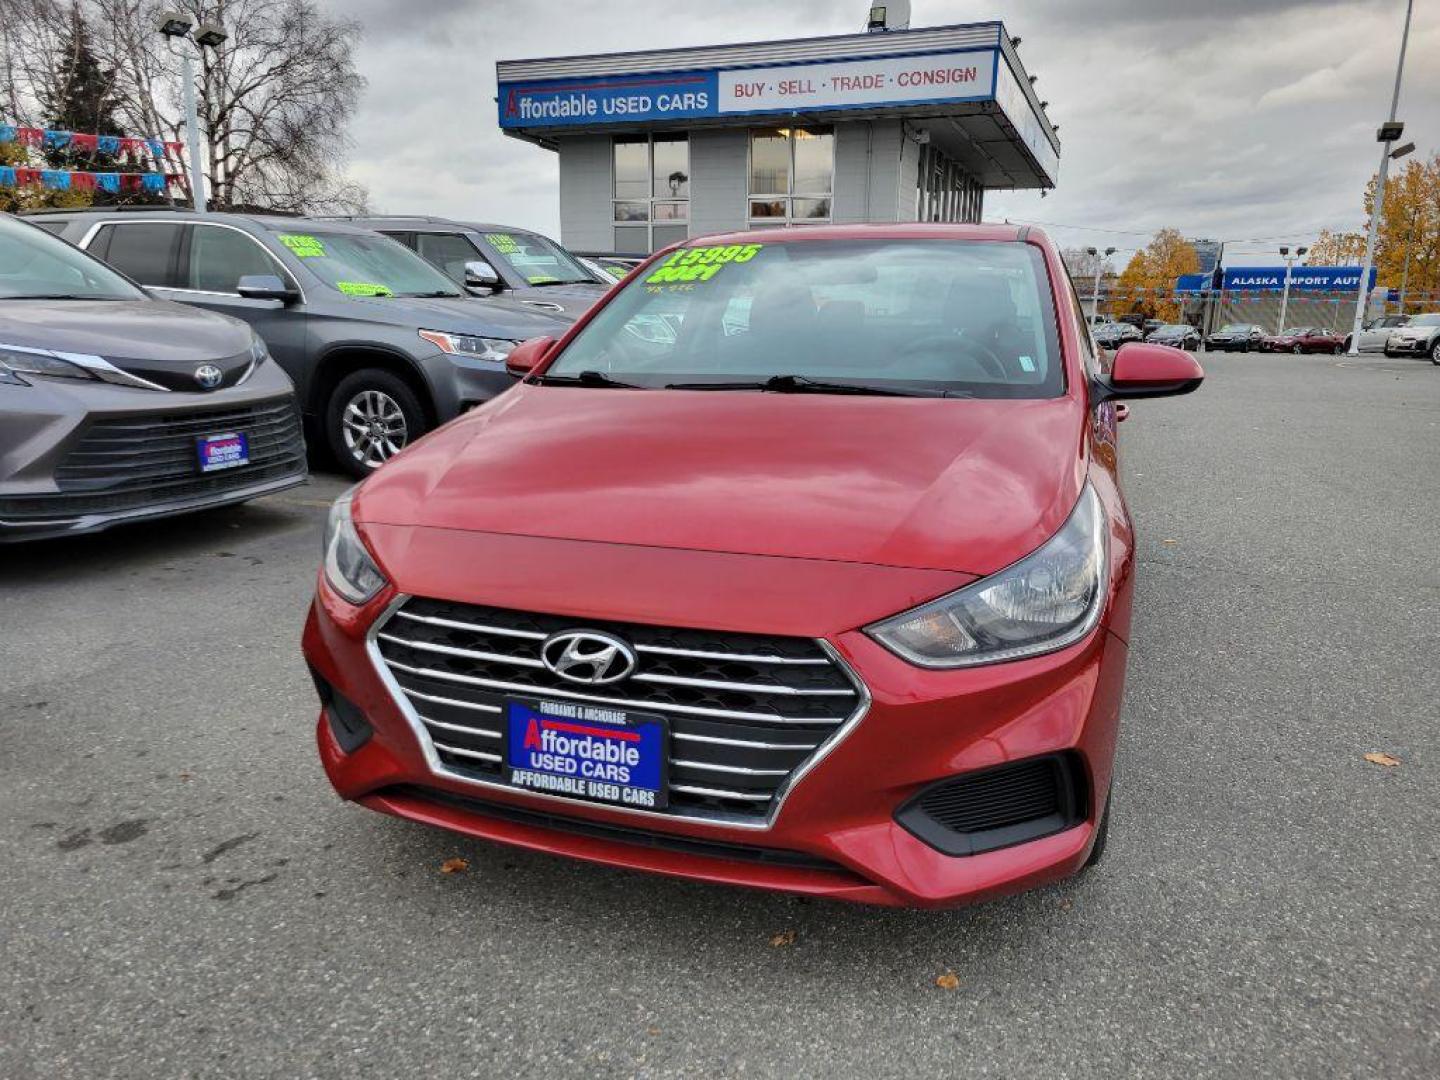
(896, 80)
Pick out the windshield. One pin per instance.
(36, 265)
(926, 316)
(1294, 331)
(367, 264)
(1425, 320)
(1235, 328)
(535, 260)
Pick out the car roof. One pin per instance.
(914, 230)
(270, 222)
(378, 221)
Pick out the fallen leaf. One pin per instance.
(1169, 541)
(652, 1031)
(454, 866)
(187, 775)
(948, 981)
(783, 938)
(1381, 758)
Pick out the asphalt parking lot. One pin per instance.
(183, 896)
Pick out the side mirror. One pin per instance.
(526, 356)
(1145, 371)
(479, 274)
(266, 287)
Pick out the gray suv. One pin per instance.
(115, 406)
(498, 260)
(381, 346)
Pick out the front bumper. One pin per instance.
(836, 833)
(80, 458)
(1408, 347)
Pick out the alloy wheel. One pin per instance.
(374, 427)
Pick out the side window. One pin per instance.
(148, 251)
(448, 253)
(220, 257)
(54, 228)
(1083, 329)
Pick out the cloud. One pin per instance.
(1235, 119)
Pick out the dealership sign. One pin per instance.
(1272, 279)
(933, 78)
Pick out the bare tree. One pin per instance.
(275, 100)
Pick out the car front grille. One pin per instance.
(746, 712)
(129, 463)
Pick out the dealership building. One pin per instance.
(892, 124)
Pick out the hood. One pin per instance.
(565, 301)
(154, 329)
(486, 316)
(960, 485)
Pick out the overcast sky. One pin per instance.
(1242, 120)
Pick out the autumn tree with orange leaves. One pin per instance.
(1153, 270)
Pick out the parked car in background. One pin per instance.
(1097, 320)
(115, 406)
(1419, 337)
(1374, 334)
(1176, 335)
(820, 594)
(611, 262)
(1235, 337)
(497, 260)
(1303, 339)
(1113, 335)
(382, 346)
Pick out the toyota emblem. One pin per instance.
(588, 656)
(208, 376)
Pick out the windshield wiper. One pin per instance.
(803, 384)
(570, 281)
(56, 296)
(437, 295)
(589, 377)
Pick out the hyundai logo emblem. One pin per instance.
(208, 376)
(588, 656)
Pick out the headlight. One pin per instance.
(481, 348)
(258, 354)
(16, 361)
(1046, 601)
(348, 566)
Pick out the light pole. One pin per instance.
(176, 26)
(1389, 133)
(1285, 293)
(1099, 266)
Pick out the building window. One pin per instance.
(651, 199)
(792, 175)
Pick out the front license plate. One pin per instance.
(222, 451)
(586, 752)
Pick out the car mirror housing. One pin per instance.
(479, 274)
(526, 356)
(1143, 370)
(266, 287)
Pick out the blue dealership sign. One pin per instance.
(1302, 278)
(625, 98)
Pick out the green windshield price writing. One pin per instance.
(503, 243)
(363, 288)
(540, 279)
(304, 247)
(700, 264)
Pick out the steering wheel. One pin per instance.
(947, 343)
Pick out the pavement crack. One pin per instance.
(231, 893)
(227, 845)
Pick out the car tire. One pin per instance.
(1102, 834)
(1435, 351)
(1340, 350)
(371, 416)
(1297, 349)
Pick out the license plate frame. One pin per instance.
(227, 450)
(605, 733)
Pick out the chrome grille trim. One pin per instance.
(718, 817)
(753, 688)
(624, 703)
(455, 701)
(450, 650)
(484, 733)
(455, 624)
(479, 755)
(745, 658)
(736, 769)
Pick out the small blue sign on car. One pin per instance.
(222, 451)
(586, 752)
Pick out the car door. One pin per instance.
(213, 258)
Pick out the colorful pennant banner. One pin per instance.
(77, 180)
(51, 139)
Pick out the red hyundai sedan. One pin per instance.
(800, 562)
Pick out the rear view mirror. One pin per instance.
(479, 274)
(266, 287)
(1143, 371)
(526, 356)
